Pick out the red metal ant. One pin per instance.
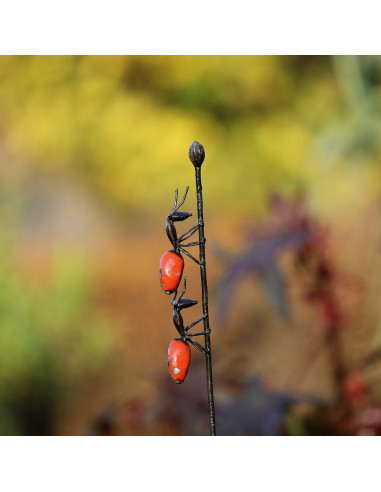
(179, 351)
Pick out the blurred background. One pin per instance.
(91, 152)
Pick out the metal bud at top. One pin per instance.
(196, 154)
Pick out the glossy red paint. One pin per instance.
(171, 270)
(178, 359)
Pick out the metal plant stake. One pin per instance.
(171, 270)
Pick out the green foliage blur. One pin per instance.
(51, 338)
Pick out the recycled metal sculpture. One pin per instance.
(171, 270)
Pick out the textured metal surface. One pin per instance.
(197, 156)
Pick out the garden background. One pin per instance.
(91, 151)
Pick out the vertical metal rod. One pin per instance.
(197, 156)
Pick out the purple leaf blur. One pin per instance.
(260, 259)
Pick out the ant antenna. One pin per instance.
(184, 289)
(174, 297)
(175, 206)
(176, 195)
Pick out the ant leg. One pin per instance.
(197, 345)
(195, 323)
(189, 255)
(195, 243)
(188, 233)
(197, 334)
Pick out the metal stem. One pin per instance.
(196, 155)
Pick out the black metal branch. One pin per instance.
(197, 156)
